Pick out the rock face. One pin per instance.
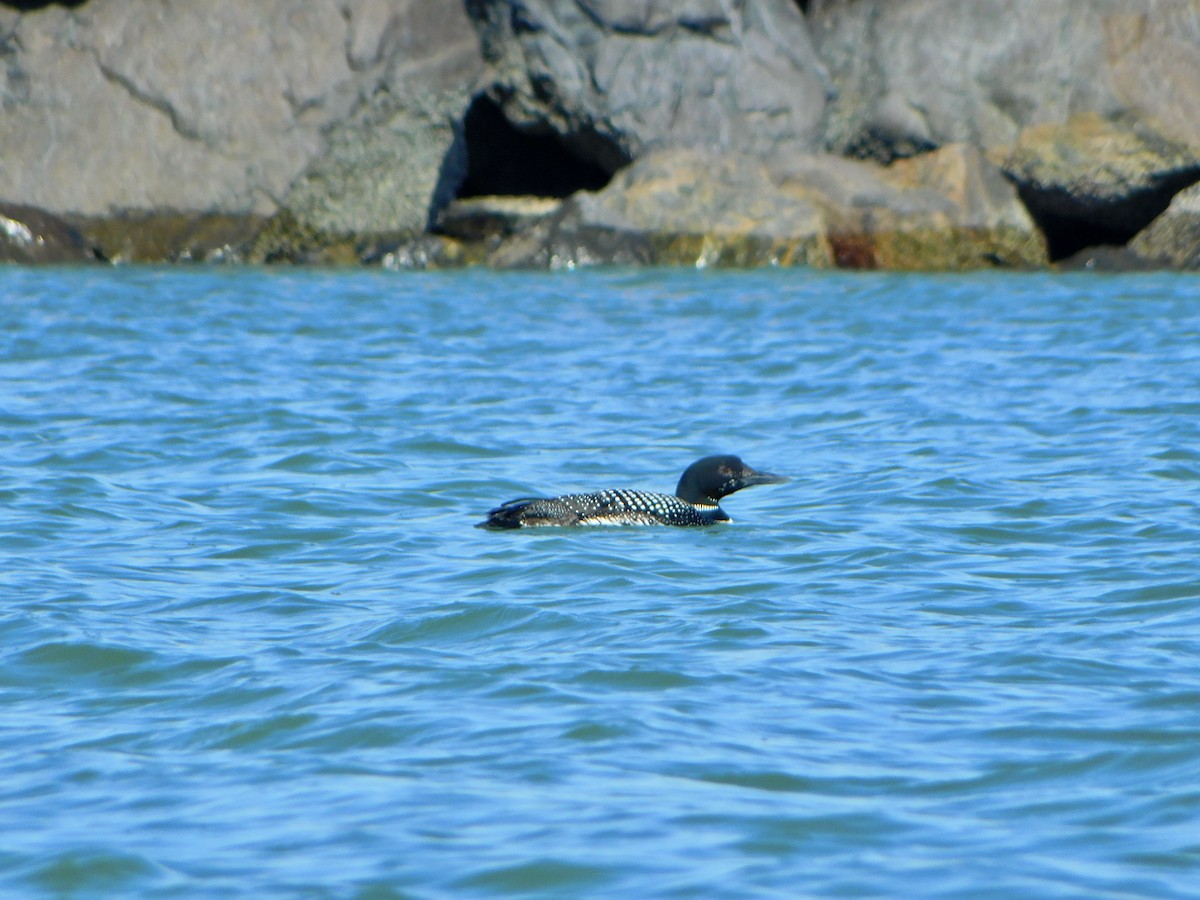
(398, 158)
(909, 134)
(912, 74)
(1081, 101)
(617, 79)
(139, 104)
(343, 113)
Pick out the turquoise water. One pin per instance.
(250, 644)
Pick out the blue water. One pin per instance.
(250, 644)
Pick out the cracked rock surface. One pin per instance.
(215, 107)
(623, 78)
(858, 133)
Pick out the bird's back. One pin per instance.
(609, 507)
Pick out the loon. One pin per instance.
(696, 501)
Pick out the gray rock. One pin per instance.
(618, 79)
(697, 192)
(911, 74)
(946, 210)
(337, 130)
(136, 104)
(1093, 181)
(396, 162)
(1173, 239)
(677, 207)
(1105, 258)
(342, 114)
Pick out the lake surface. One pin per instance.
(250, 644)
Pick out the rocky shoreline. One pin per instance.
(871, 134)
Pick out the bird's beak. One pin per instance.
(753, 477)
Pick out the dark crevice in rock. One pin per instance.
(32, 5)
(1067, 235)
(502, 159)
(617, 25)
(716, 27)
(885, 149)
(159, 104)
(1071, 225)
(520, 20)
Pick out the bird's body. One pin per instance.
(696, 501)
(610, 507)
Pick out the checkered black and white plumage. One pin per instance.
(696, 501)
(611, 507)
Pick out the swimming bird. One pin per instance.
(696, 501)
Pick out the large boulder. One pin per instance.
(141, 104)
(915, 74)
(677, 207)
(142, 111)
(1095, 181)
(399, 157)
(618, 79)
(945, 210)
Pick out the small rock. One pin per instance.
(32, 235)
(1106, 259)
(484, 218)
(422, 252)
